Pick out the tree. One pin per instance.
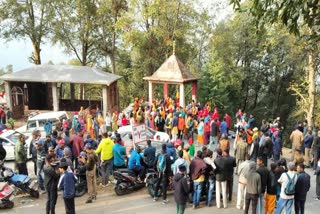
(74, 28)
(29, 19)
(301, 18)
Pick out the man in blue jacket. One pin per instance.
(67, 185)
(135, 163)
(301, 189)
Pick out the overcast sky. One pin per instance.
(17, 53)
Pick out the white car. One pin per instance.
(8, 138)
(38, 121)
(151, 134)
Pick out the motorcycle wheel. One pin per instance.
(34, 193)
(151, 188)
(80, 192)
(120, 190)
(9, 204)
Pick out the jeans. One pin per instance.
(165, 181)
(284, 203)
(260, 205)
(52, 196)
(210, 185)
(299, 206)
(106, 167)
(221, 187)
(241, 195)
(181, 208)
(197, 188)
(254, 199)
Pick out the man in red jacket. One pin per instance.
(77, 143)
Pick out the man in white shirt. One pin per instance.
(286, 201)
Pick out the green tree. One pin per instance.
(28, 19)
(301, 18)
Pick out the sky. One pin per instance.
(17, 52)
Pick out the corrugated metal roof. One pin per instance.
(62, 73)
(172, 70)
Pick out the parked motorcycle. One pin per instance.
(6, 195)
(81, 185)
(125, 181)
(23, 182)
(151, 182)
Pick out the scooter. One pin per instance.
(6, 195)
(126, 181)
(23, 182)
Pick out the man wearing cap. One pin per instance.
(33, 152)
(181, 189)
(40, 163)
(90, 163)
(60, 147)
(105, 148)
(67, 185)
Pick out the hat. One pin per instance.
(255, 129)
(88, 146)
(35, 132)
(61, 141)
(182, 168)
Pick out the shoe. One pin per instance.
(107, 184)
(317, 198)
(94, 197)
(155, 199)
(238, 207)
(194, 207)
(89, 200)
(165, 201)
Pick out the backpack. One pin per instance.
(161, 163)
(290, 187)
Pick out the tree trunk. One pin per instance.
(113, 52)
(36, 53)
(311, 88)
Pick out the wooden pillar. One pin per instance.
(104, 100)
(182, 96)
(8, 94)
(165, 90)
(194, 91)
(55, 99)
(150, 92)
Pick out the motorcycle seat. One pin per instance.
(127, 171)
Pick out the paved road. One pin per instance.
(137, 202)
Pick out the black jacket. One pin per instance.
(214, 129)
(264, 174)
(181, 188)
(220, 163)
(51, 178)
(230, 163)
(302, 186)
(272, 183)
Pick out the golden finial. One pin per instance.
(174, 47)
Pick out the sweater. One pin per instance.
(181, 188)
(253, 180)
(67, 184)
(105, 148)
(264, 174)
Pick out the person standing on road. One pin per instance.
(180, 161)
(214, 130)
(243, 170)
(67, 185)
(302, 188)
(240, 152)
(20, 154)
(307, 142)
(286, 201)
(263, 171)
(51, 179)
(181, 187)
(317, 173)
(296, 139)
(197, 172)
(33, 151)
(163, 164)
(221, 181)
(209, 176)
(230, 163)
(253, 189)
(271, 196)
(91, 163)
(105, 148)
(316, 150)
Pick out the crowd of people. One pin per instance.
(264, 178)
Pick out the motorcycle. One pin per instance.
(6, 195)
(151, 181)
(23, 182)
(81, 185)
(125, 181)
